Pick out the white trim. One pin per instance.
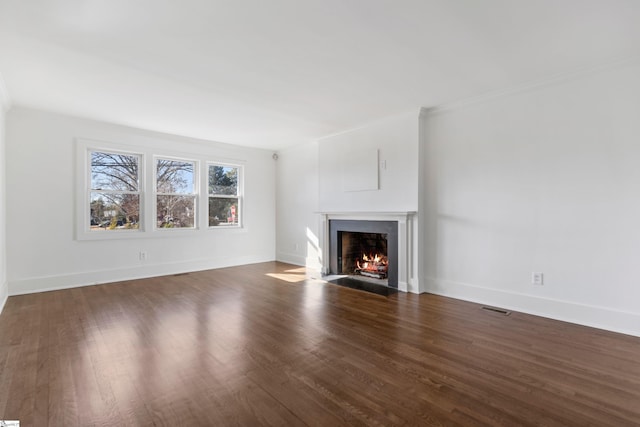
(290, 258)
(239, 194)
(5, 104)
(4, 295)
(530, 86)
(5, 99)
(407, 279)
(312, 265)
(581, 314)
(368, 123)
(379, 216)
(148, 195)
(196, 194)
(89, 278)
(83, 180)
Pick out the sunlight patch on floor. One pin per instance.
(289, 277)
(299, 270)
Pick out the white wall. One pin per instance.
(42, 251)
(396, 138)
(545, 180)
(297, 206)
(4, 288)
(310, 180)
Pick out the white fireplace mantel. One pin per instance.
(407, 280)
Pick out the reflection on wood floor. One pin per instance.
(264, 345)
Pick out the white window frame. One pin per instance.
(148, 156)
(195, 194)
(84, 149)
(239, 195)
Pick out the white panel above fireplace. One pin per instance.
(360, 170)
(395, 141)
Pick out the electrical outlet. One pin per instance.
(142, 255)
(537, 278)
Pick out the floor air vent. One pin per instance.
(497, 310)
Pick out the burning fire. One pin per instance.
(372, 266)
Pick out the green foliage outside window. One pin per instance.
(224, 207)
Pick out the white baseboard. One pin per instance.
(4, 294)
(290, 258)
(413, 286)
(74, 280)
(403, 286)
(586, 315)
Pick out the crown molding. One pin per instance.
(367, 124)
(5, 99)
(530, 86)
(426, 111)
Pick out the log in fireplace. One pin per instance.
(364, 250)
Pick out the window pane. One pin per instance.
(223, 180)
(110, 171)
(174, 176)
(176, 211)
(114, 211)
(223, 211)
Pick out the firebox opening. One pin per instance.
(350, 239)
(364, 255)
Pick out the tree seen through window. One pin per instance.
(224, 206)
(115, 191)
(176, 199)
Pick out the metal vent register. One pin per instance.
(497, 310)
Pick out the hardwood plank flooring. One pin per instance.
(263, 345)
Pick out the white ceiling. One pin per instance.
(275, 73)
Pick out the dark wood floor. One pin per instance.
(259, 345)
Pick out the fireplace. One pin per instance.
(364, 250)
(401, 231)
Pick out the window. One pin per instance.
(127, 192)
(114, 192)
(224, 195)
(175, 193)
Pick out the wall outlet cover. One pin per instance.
(537, 278)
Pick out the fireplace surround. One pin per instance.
(400, 231)
(367, 238)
